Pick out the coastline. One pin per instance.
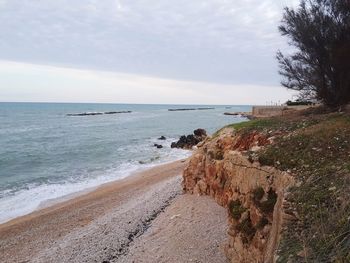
(99, 225)
(90, 187)
(43, 162)
(99, 191)
(56, 201)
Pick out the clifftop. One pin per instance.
(285, 183)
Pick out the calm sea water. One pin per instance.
(45, 154)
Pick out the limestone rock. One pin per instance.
(220, 169)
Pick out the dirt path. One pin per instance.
(192, 229)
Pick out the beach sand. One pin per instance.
(142, 218)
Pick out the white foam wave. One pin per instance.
(28, 200)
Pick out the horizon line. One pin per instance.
(122, 103)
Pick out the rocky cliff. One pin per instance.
(285, 182)
(253, 194)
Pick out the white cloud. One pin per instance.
(207, 40)
(56, 84)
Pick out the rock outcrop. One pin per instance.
(253, 194)
(187, 142)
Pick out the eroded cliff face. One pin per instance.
(253, 194)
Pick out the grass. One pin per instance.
(249, 125)
(315, 148)
(319, 156)
(347, 167)
(269, 125)
(258, 124)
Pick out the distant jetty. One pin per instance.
(186, 109)
(97, 113)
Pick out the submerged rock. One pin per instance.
(159, 146)
(187, 109)
(117, 112)
(96, 113)
(85, 114)
(162, 138)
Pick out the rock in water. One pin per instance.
(187, 142)
(200, 133)
(162, 138)
(158, 146)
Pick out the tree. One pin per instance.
(319, 31)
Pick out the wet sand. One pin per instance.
(121, 222)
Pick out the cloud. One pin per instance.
(232, 42)
(57, 84)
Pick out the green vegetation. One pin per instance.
(265, 206)
(247, 229)
(268, 205)
(347, 167)
(319, 67)
(298, 102)
(236, 209)
(262, 223)
(216, 155)
(258, 124)
(319, 156)
(315, 148)
(258, 194)
(270, 125)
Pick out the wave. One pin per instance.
(18, 203)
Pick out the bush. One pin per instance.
(236, 209)
(262, 223)
(298, 103)
(268, 205)
(258, 194)
(247, 230)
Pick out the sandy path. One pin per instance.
(192, 229)
(111, 223)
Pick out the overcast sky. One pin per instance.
(141, 51)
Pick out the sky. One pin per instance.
(141, 51)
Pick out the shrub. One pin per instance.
(262, 223)
(268, 205)
(247, 230)
(236, 209)
(258, 194)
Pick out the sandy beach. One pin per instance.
(142, 218)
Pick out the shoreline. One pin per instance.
(65, 200)
(55, 201)
(40, 235)
(118, 222)
(68, 196)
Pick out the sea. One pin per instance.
(45, 154)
